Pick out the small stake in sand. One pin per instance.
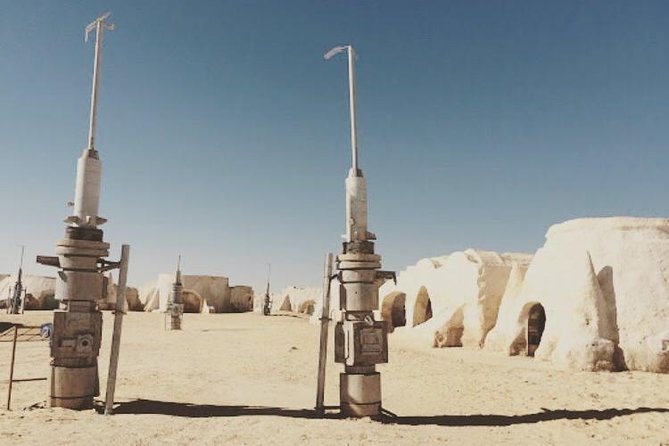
(11, 367)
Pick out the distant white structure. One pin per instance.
(596, 297)
(304, 300)
(456, 297)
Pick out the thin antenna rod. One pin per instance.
(351, 89)
(354, 125)
(99, 25)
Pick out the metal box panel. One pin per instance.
(360, 343)
(76, 335)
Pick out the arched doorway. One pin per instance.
(422, 311)
(536, 322)
(192, 301)
(393, 310)
(307, 307)
(450, 335)
(285, 305)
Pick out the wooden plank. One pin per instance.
(323, 349)
(118, 324)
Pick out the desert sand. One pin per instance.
(248, 379)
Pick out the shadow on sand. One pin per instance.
(509, 420)
(188, 410)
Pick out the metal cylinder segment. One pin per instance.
(87, 188)
(73, 388)
(356, 208)
(360, 394)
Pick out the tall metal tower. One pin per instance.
(17, 296)
(361, 342)
(175, 303)
(77, 326)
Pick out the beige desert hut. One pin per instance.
(294, 299)
(303, 300)
(40, 291)
(132, 302)
(409, 303)
(40, 294)
(596, 297)
(452, 300)
(201, 294)
(241, 299)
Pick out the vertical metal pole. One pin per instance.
(11, 367)
(99, 25)
(94, 93)
(323, 349)
(116, 337)
(354, 125)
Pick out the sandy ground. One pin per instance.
(249, 379)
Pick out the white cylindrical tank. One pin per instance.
(87, 189)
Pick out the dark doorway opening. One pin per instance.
(536, 322)
(393, 310)
(423, 308)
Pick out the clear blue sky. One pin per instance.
(224, 134)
